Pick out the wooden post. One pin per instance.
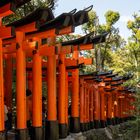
(120, 109)
(52, 124)
(8, 82)
(116, 108)
(109, 109)
(82, 105)
(67, 100)
(87, 107)
(62, 98)
(97, 106)
(75, 120)
(102, 97)
(1, 94)
(37, 97)
(91, 108)
(113, 107)
(20, 88)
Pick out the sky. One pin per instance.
(126, 8)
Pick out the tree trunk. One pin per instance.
(98, 59)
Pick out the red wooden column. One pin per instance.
(119, 107)
(1, 93)
(37, 97)
(82, 105)
(5, 32)
(102, 99)
(67, 98)
(20, 88)
(116, 107)
(97, 106)
(88, 107)
(85, 107)
(8, 72)
(75, 120)
(109, 109)
(62, 98)
(52, 124)
(113, 106)
(106, 102)
(91, 108)
(125, 107)
(120, 110)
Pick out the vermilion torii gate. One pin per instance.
(94, 103)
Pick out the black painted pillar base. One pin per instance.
(87, 126)
(74, 125)
(68, 128)
(63, 131)
(91, 125)
(129, 118)
(52, 130)
(2, 135)
(97, 124)
(117, 120)
(113, 121)
(109, 121)
(121, 120)
(21, 134)
(103, 123)
(82, 127)
(126, 119)
(37, 133)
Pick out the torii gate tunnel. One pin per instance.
(95, 100)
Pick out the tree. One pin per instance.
(134, 43)
(114, 40)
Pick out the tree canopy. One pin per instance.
(28, 8)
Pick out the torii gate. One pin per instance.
(6, 8)
(30, 31)
(37, 65)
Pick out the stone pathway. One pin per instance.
(110, 133)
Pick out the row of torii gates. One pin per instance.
(98, 99)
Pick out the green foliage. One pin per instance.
(27, 9)
(111, 17)
(91, 25)
(102, 52)
(134, 44)
(135, 24)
